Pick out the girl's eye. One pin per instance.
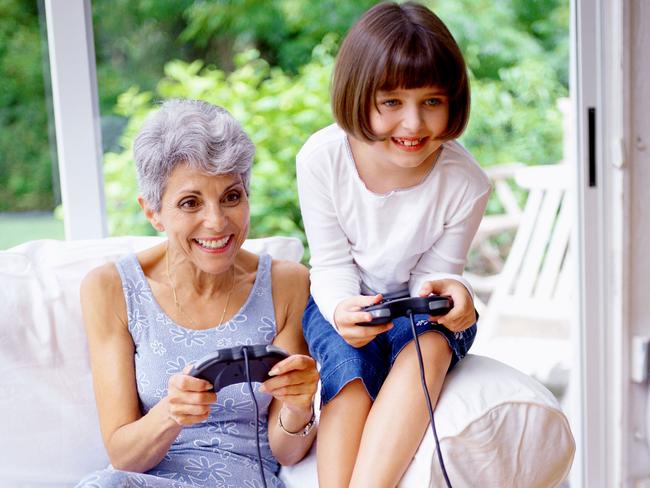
(433, 102)
(189, 204)
(390, 102)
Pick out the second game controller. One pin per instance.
(386, 311)
(226, 367)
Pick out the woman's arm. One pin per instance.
(134, 442)
(296, 378)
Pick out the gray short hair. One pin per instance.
(203, 135)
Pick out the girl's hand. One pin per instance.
(348, 315)
(188, 399)
(294, 382)
(463, 314)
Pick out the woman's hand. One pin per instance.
(188, 399)
(348, 315)
(462, 315)
(294, 382)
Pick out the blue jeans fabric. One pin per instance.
(341, 363)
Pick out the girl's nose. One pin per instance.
(412, 119)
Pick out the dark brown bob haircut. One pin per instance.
(397, 46)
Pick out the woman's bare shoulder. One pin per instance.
(102, 300)
(104, 277)
(290, 283)
(287, 272)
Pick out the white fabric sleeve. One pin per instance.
(334, 275)
(449, 254)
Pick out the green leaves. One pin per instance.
(277, 110)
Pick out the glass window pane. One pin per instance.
(29, 187)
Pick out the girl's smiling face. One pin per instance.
(206, 217)
(409, 121)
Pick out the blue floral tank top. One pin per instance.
(222, 451)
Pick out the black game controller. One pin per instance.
(385, 311)
(226, 367)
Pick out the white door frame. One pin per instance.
(76, 117)
(600, 69)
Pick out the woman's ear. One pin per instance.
(150, 214)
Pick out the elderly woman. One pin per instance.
(152, 314)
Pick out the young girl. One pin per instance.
(390, 202)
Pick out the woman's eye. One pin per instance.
(232, 197)
(188, 204)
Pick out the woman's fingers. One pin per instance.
(296, 374)
(189, 398)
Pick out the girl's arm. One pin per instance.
(334, 275)
(448, 257)
(295, 379)
(134, 442)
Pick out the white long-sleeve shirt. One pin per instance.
(363, 242)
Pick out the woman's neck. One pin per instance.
(197, 282)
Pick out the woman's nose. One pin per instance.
(214, 218)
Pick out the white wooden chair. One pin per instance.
(526, 320)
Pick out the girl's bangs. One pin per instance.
(415, 64)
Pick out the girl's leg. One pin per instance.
(350, 377)
(399, 417)
(339, 433)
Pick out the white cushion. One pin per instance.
(495, 424)
(497, 428)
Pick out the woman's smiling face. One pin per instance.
(206, 217)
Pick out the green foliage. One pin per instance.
(25, 162)
(516, 118)
(283, 31)
(278, 112)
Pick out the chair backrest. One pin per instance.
(535, 282)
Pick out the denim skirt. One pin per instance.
(341, 363)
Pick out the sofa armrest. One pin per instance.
(497, 427)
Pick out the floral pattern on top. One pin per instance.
(220, 452)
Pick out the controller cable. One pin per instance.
(428, 398)
(257, 416)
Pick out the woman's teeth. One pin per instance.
(213, 243)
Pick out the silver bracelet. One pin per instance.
(303, 432)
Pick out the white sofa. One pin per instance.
(497, 426)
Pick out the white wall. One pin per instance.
(639, 253)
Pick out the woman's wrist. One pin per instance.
(296, 423)
(164, 416)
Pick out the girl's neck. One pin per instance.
(380, 176)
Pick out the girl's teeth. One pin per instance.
(213, 244)
(410, 142)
